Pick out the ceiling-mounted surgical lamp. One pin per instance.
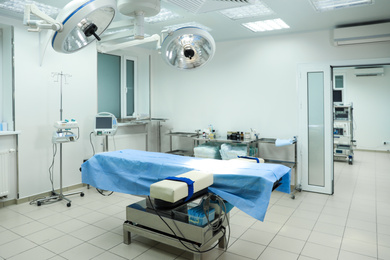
(139, 9)
(188, 48)
(78, 24)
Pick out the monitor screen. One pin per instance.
(337, 96)
(103, 122)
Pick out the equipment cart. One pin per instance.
(343, 133)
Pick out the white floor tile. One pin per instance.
(88, 232)
(45, 235)
(273, 253)
(130, 251)
(155, 253)
(268, 226)
(384, 229)
(359, 247)
(320, 252)
(82, 252)
(246, 249)
(287, 244)
(70, 225)
(294, 232)
(37, 253)
(15, 247)
(361, 235)
(231, 256)
(7, 236)
(329, 228)
(383, 252)
(257, 236)
(243, 221)
(107, 240)
(62, 244)
(108, 256)
(325, 239)
(345, 255)
(361, 224)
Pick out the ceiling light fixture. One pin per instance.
(267, 25)
(189, 24)
(78, 24)
(188, 48)
(328, 5)
(163, 16)
(257, 9)
(18, 6)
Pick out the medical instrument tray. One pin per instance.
(140, 217)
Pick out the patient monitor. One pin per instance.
(105, 124)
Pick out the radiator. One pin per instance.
(6, 166)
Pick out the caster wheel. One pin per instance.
(68, 205)
(39, 203)
(82, 194)
(293, 197)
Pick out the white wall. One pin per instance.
(370, 98)
(249, 84)
(37, 107)
(6, 87)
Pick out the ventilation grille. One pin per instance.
(204, 6)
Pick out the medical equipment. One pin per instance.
(242, 184)
(183, 186)
(343, 140)
(105, 124)
(78, 24)
(188, 224)
(64, 133)
(187, 48)
(342, 112)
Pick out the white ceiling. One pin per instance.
(298, 14)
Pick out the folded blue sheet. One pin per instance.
(246, 185)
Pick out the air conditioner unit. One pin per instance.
(369, 72)
(362, 34)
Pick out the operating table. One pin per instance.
(247, 186)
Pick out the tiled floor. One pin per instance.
(353, 224)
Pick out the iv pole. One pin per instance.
(56, 197)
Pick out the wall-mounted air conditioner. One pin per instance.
(369, 72)
(362, 34)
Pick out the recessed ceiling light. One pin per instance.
(17, 6)
(163, 15)
(327, 5)
(257, 9)
(267, 25)
(190, 24)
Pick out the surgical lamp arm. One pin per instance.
(36, 25)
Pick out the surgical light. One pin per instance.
(188, 48)
(78, 24)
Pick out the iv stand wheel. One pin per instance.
(39, 203)
(82, 194)
(68, 204)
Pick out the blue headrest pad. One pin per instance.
(190, 184)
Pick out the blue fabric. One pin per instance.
(246, 185)
(251, 158)
(190, 184)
